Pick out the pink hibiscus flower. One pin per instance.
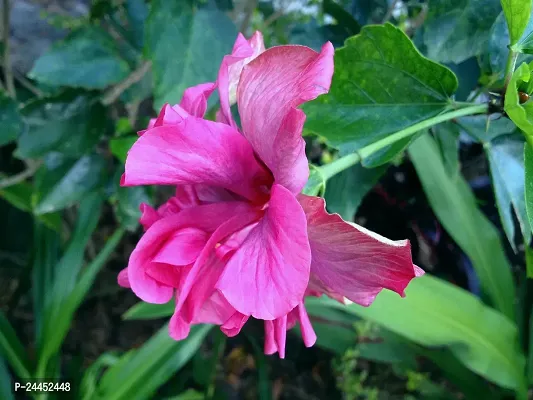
(239, 240)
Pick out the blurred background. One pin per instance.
(80, 78)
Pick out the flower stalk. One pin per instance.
(509, 68)
(349, 160)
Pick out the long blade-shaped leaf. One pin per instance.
(435, 313)
(68, 268)
(151, 366)
(66, 271)
(144, 310)
(6, 390)
(57, 327)
(336, 332)
(46, 253)
(455, 206)
(12, 349)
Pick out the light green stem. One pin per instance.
(509, 68)
(347, 161)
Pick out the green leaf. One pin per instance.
(137, 12)
(151, 366)
(264, 390)
(345, 191)
(46, 245)
(480, 337)
(528, 162)
(88, 384)
(69, 123)
(190, 394)
(204, 363)
(447, 138)
(316, 183)
(485, 130)
(497, 47)
(186, 46)
(336, 332)
(119, 147)
(10, 119)
(126, 202)
(12, 349)
(15, 239)
(363, 106)
(517, 13)
(6, 386)
(69, 266)
(343, 17)
(144, 310)
(59, 322)
(126, 205)
(18, 195)
(506, 160)
(529, 269)
(472, 385)
(525, 44)
(334, 328)
(520, 114)
(84, 176)
(459, 29)
(87, 58)
(455, 206)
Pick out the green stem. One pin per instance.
(347, 161)
(8, 71)
(509, 68)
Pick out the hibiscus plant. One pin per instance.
(239, 169)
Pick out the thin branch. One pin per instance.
(390, 10)
(27, 84)
(133, 111)
(272, 18)
(32, 167)
(248, 12)
(115, 92)
(418, 21)
(8, 73)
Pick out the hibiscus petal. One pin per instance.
(178, 328)
(166, 274)
(353, 261)
(182, 247)
(193, 102)
(196, 151)
(267, 276)
(308, 333)
(194, 99)
(216, 310)
(270, 339)
(280, 331)
(276, 336)
(234, 324)
(289, 166)
(229, 74)
(270, 88)
(213, 194)
(206, 217)
(201, 281)
(169, 115)
(123, 278)
(149, 216)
